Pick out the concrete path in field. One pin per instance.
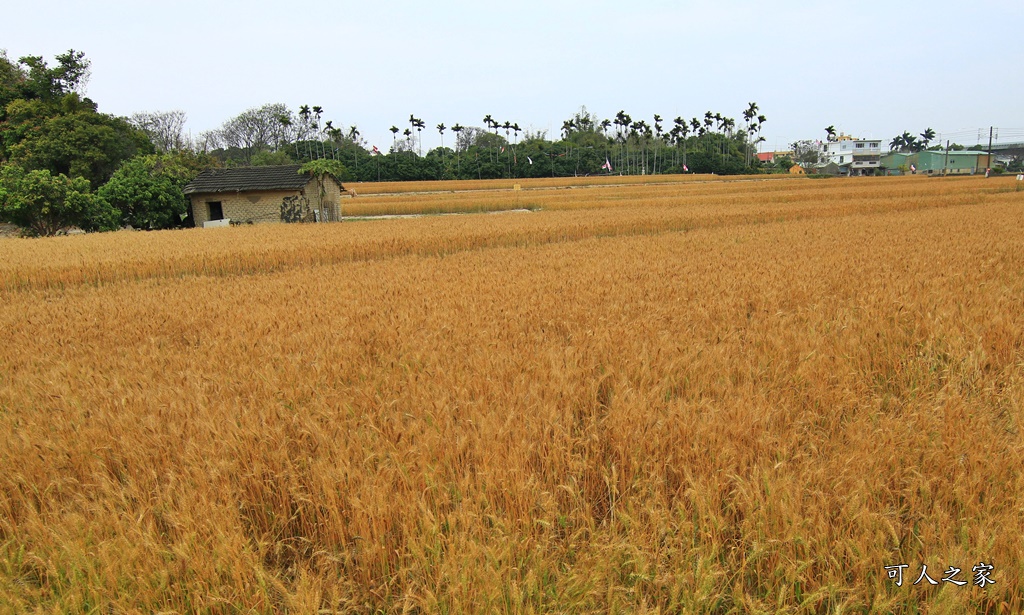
(457, 213)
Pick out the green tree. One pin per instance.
(806, 151)
(926, 137)
(45, 123)
(260, 129)
(33, 79)
(79, 142)
(321, 169)
(148, 192)
(43, 203)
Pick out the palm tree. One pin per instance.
(329, 131)
(353, 134)
(728, 124)
(830, 133)
(905, 142)
(623, 121)
(657, 141)
(491, 123)
(394, 137)
(640, 129)
(508, 155)
(910, 142)
(304, 135)
(709, 121)
(457, 129)
(440, 129)
(761, 119)
(286, 124)
(926, 137)
(567, 127)
(418, 124)
(681, 128)
(317, 111)
(748, 116)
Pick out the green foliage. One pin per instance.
(81, 143)
(321, 169)
(504, 150)
(323, 166)
(43, 203)
(70, 74)
(147, 190)
(46, 125)
(264, 158)
(908, 143)
(32, 79)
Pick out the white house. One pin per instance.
(853, 156)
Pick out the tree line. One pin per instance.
(586, 145)
(64, 163)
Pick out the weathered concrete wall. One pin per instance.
(265, 205)
(244, 207)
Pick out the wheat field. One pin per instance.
(724, 397)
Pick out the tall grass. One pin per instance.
(755, 415)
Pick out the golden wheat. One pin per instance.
(749, 400)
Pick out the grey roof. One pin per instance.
(239, 179)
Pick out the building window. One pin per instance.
(216, 210)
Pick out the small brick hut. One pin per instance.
(263, 194)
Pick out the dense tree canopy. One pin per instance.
(57, 149)
(47, 125)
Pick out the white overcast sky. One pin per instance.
(871, 68)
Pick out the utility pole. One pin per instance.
(945, 163)
(988, 163)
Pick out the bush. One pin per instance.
(44, 204)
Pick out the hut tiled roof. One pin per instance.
(242, 179)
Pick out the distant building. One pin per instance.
(769, 157)
(262, 194)
(853, 156)
(964, 162)
(935, 162)
(895, 163)
(825, 168)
